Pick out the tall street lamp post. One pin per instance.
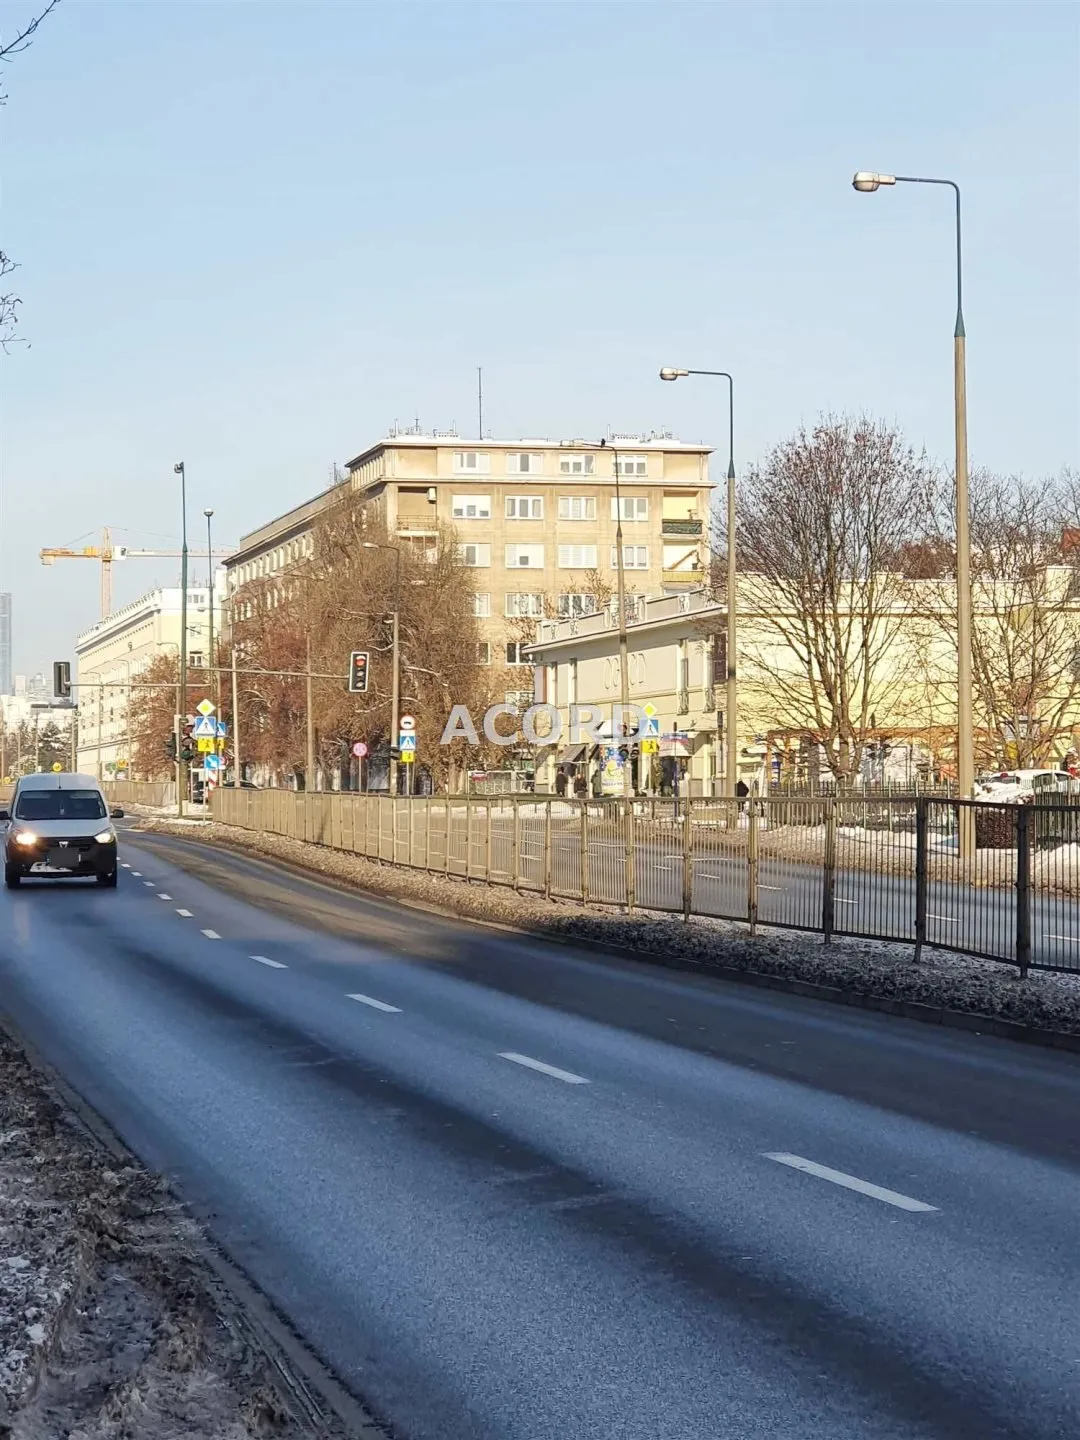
(395, 683)
(731, 705)
(181, 763)
(867, 181)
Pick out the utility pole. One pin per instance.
(214, 687)
(100, 726)
(181, 763)
(309, 778)
(624, 685)
(237, 765)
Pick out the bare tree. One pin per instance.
(1025, 638)
(822, 526)
(9, 301)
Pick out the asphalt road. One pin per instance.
(511, 1192)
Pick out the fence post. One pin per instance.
(828, 880)
(487, 840)
(547, 852)
(468, 834)
(447, 832)
(412, 827)
(752, 867)
(628, 818)
(1023, 888)
(687, 862)
(922, 861)
(515, 840)
(427, 833)
(583, 844)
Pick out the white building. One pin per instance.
(117, 650)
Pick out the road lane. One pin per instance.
(484, 1250)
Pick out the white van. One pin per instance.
(59, 826)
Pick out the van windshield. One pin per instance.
(60, 805)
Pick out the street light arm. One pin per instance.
(959, 331)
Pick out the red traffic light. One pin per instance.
(358, 672)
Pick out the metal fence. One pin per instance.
(879, 869)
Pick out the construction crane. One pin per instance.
(107, 552)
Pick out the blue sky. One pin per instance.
(252, 235)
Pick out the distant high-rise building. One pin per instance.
(39, 688)
(5, 644)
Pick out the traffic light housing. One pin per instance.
(358, 672)
(62, 679)
(170, 748)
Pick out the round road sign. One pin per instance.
(359, 749)
(406, 723)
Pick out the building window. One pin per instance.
(577, 507)
(633, 465)
(483, 652)
(635, 557)
(524, 557)
(471, 507)
(515, 652)
(524, 507)
(575, 464)
(575, 605)
(195, 660)
(577, 557)
(471, 462)
(524, 464)
(633, 507)
(521, 605)
(477, 556)
(481, 606)
(520, 699)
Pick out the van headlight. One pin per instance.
(106, 838)
(25, 837)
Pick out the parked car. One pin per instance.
(1012, 787)
(58, 827)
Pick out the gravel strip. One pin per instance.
(1044, 1001)
(110, 1328)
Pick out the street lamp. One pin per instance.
(181, 763)
(395, 684)
(731, 713)
(866, 182)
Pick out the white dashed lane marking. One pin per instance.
(565, 1075)
(376, 1004)
(186, 914)
(274, 964)
(163, 897)
(849, 1182)
(211, 934)
(124, 865)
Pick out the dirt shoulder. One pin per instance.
(112, 1326)
(945, 987)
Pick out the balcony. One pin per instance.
(681, 527)
(684, 577)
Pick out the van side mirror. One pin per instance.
(116, 813)
(5, 814)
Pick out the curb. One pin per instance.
(970, 1021)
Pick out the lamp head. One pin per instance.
(867, 181)
(669, 374)
(178, 468)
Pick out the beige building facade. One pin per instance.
(535, 520)
(117, 651)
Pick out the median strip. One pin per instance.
(567, 1076)
(849, 1182)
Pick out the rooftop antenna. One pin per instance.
(480, 399)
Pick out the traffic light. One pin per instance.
(358, 672)
(62, 679)
(170, 748)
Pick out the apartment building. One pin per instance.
(116, 651)
(535, 519)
